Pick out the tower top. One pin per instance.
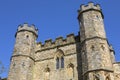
(26, 27)
(90, 6)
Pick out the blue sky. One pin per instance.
(53, 18)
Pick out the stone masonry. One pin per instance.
(86, 56)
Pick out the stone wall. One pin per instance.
(59, 42)
(116, 70)
(87, 56)
(46, 59)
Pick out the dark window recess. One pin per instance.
(14, 64)
(103, 48)
(97, 16)
(62, 62)
(23, 64)
(57, 63)
(93, 48)
(27, 36)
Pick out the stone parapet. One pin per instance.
(90, 6)
(59, 41)
(26, 27)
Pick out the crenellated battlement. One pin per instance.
(85, 56)
(59, 41)
(26, 27)
(90, 6)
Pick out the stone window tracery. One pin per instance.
(59, 57)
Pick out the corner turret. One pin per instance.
(96, 59)
(26, 27)
(91, 21)
(22, 60)
(89, 7)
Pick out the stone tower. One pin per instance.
(95, 52)
(86, 56)
(22, 60)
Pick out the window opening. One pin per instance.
(27, 36)
(103, 48)
(57, 63)
(62, 62)
(93, 48)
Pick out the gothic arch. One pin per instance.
(47, 73)
(59, 53)
(47, 69)
(107, 76)
(59, 58)
(70, 71)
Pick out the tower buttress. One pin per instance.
(96, 62)
(22, 60)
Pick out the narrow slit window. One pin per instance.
(103, 48)
(93, 48)
(97, 16)
(27, 36)
(62, 62)
(57, 63)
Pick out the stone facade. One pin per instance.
(87, 56)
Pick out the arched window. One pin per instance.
(57, 63)
(70, 71)
(62, 62)
(59, 57)
(47, 73)
(107, 78)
